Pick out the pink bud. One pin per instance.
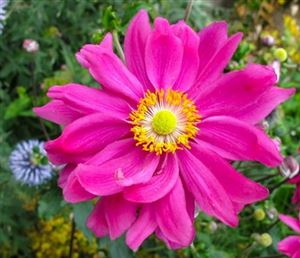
(289, 167)
(30, 45)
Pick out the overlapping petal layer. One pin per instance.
(290, 246)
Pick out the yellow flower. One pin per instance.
(53, 238)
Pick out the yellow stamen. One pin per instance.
(164, 123)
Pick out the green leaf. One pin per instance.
(282, 197)
(50, 204)
(118, 248)
(81, 213)
(19, 106)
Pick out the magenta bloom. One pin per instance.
(290, 246)
(296, 196)
(158, 137)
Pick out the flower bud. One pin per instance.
(212, 226)
(289, 167)
(255, 236)
(272, 213)
(268, 40)
(30, 45)
(265, 240)
(259, 214)
(280, 54)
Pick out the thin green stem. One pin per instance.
(118, 46)
(42, 125)
(272, 188)
(72, 236)
(188, 10)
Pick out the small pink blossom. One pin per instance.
(30, 45)
(290, 246)
(159, 136)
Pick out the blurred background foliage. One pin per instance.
(35, 221)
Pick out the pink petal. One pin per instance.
(64, 175)
(158, 186)
(96, 222)
(235, 90)
(164, 53)
(73, 191)
(208, 192)
(216, 64)
(89, 100)
(295, 180)
(107, 43)
(143, 227)
(291, 222)
(190, 59)
(296, 196)
(170, 244)
(173, 218)
(134, 167)
(211, 39)
(135, 43)
(116, 149)
(247, 192)
(112, 215)
(263, 106)
(111, 73)
(242, 141)
(296, 255)
(56, 111)
(85, 136)
(190, 202)
(289, 245)
(119, 214)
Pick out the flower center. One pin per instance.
(164, 121)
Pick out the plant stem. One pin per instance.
(72, 237)
(272, 225)
(266, 177)
(42, 125)
(118, 46)
(278, 184)
(188, 10)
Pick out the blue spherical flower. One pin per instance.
(29, 164)
(3, 5)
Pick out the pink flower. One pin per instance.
(30, 45)
(290, 246)
(157, 138)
